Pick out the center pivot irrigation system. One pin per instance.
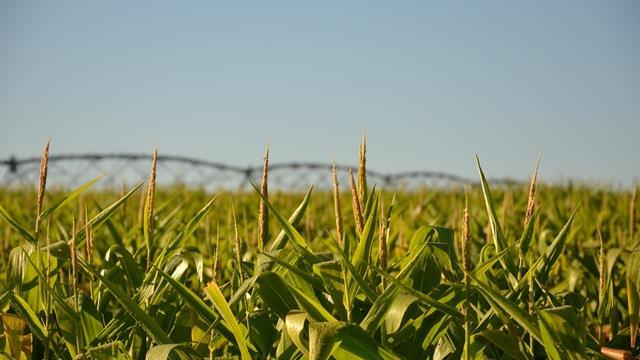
(116, 168)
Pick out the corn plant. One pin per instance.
(523, 272)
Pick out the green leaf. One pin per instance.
(162, 352)
(69, 198)
(543, 265)
(97, 221)
(64, 306)
(90, 319)
(427, 300)
(298, 241)
(548, 342)
(353, 343)
(396, 313)
(109, 351)
(499, 239)
(377, 313)
(488, 264)
(295, 322)
(322, 338)
(16, 226)
(192, 225)
(566, 330)
(195, 302)
(360, 258)
(375, 316)
(310, 304)
(13, 328)
(527, 234)
(35, 325)
(633, 291)
(427, 273)
(215, 295)
(262, 333)
(501, 303)
(355, 274)
(554, 250)
(105, 214)
(507, 343)
(312, 280)
(275, 294)
(296, 217)
(150, 326)
(69, 328)
(204, 311)
(128, 263)
(362, 253)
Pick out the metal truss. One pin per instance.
(71, 170)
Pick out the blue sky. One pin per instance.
(432, 83)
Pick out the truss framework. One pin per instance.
(70, 170)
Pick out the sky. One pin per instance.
(432, 83)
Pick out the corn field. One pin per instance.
(513, 272)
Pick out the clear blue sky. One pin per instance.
(433, 83)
